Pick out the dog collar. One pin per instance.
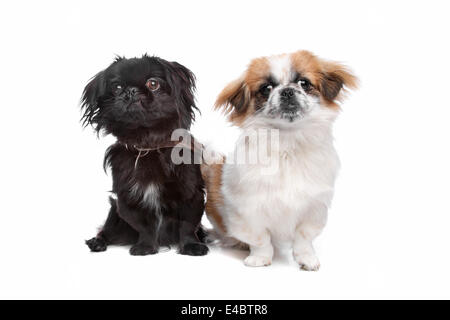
(143, 151)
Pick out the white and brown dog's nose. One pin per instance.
(288, 100)
(287, 93)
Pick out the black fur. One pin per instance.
(118, 102)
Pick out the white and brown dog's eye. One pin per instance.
(305, 84)
(152, 84)
(266, 89)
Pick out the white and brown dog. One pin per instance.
(296, 95)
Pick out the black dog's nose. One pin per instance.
(131, 91)
(287, 92)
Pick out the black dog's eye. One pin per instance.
(152, 84)
(117, 88)
(305, 84)
(266, 89)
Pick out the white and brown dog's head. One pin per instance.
(283, 90)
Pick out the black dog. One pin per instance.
(158, 203)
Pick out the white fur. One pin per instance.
(288, 206)
(150, 195)
(281, 67)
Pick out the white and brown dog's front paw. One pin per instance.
(257, 261)
(308, 261)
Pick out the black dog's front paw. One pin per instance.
(142, 250)
(194, 249)
(96, 244)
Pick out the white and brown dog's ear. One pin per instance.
(234, 99)
(334, 78)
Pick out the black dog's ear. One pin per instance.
(187, 80)
(89, 100)
(183, 84)
(186, 75)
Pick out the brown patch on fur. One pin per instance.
(307, 65)
(212, 175)
(257, 73)
(236, 98)
(334, 77)
(328, 77)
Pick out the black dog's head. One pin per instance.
(138, 98)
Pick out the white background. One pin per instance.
(389, 226)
